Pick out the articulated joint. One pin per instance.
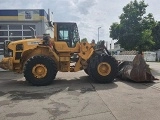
(7, 63)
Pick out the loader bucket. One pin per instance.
(137, 70)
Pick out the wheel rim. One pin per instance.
(104, 69)
(39, 71)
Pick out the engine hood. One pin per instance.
(27, 43)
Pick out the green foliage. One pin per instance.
(84, 40)
(134, 32)
(156, 36)
(146, 41)
(115, 31)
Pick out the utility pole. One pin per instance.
(98, 33)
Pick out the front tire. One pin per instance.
(103, 68)
(86, 71)
(40, 70)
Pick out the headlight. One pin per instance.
(19, 47)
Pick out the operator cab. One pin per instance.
(66, 32)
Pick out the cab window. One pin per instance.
(63, 35)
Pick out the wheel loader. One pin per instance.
(39, 59)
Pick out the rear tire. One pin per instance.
(47, 64)
(107, 76)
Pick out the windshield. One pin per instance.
(63, 32)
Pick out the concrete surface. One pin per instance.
(73, 96)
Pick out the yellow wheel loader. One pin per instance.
(39, 59)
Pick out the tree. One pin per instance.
(156, 36)
(147, 41)
(134, 30)
(84, 40)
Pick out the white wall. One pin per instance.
(149, 56)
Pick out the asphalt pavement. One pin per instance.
(73, 96)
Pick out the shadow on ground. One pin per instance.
(18, 89)
(21, 90)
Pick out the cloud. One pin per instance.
(21, 4)
(84, 6)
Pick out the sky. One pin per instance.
(88, 14)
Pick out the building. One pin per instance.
(22, 24)
(117, 48)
